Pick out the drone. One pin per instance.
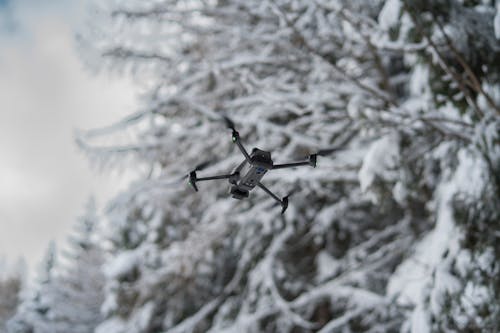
(249, 173)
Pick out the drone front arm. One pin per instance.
(236, 139)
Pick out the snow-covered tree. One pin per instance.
(33, 311)
(68, 295)
(396, 232)
(77, 291)
(454, 78)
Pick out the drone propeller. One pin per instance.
(192, 174)
(192, 180)
(229, 123)
(284, 201)
(313, 158)
(199, 167)
(342, 143)
(202, 165)
(328, 151)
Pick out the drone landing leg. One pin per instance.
(283, 203)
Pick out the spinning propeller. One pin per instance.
(284, 201)
(230, 124)
(192, 174)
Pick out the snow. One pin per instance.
(327, 266)
(380, 161)
(114, 325)
(420, 320)
(110, 304)
(400, 193)
(470, 176)
(143, 317)
(473, 298)
(419, 82)
(444, 284)
(122, 264)
(389, 15)
(354, 107)
(426, 272)
(463, 262)
(496, 21)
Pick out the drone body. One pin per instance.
(249, 173)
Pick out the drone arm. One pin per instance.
(236, 139)
(290, 165)
(214, 177)
(311, 162)
(283, 203)
(193, 179)
(268, 191)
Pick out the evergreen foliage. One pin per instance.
(69, 293)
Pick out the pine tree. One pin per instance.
(77, 291)
(32, 314)
(67, 296)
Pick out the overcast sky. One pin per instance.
(45, 94)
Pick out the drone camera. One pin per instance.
(237, 193)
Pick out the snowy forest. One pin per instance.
(397, 228)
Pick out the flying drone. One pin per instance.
(249, 173)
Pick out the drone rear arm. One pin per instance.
(213, 178)
(311, 162)
(268, 191)
(283, 203)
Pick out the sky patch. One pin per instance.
(45, 94)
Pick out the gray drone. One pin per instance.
(249, 173)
